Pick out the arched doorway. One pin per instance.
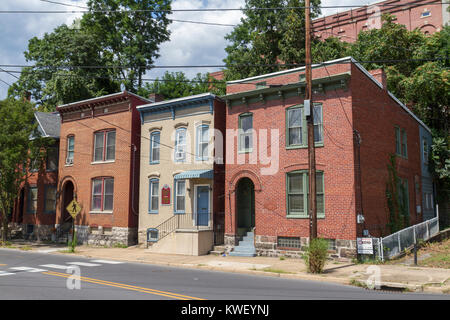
(67, 197)
(245, 205)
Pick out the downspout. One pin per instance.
(133, 183)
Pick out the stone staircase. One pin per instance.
(218, 250)
(246, 247)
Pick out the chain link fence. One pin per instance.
(393, 245)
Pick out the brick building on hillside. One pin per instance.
(358, 126)
(427, 15)
(35, 208)
(99, 167)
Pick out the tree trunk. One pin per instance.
(4, 227)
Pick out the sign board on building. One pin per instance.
(165, 194)
(364, 245)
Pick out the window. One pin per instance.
(180, 195)
(298, 197)
(202, 142)
(404, 143)
(102, 194)
(401, 142)
(245, 132)
(32, 199)
(425, 151)
(425, 14)
(104, 145)
(50, 199)
(289, 242)
(70, 149)
(155, 139)
(318, 124)
(52, 159)
(153, 196)
(403, 195)
(180, 145)
(261, 85)
(296, 126)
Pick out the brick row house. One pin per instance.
(358, 126)
(99, 167)
(35, 209)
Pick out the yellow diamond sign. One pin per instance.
(74, 208)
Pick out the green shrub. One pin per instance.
(316, 255)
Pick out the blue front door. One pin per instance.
(202, 205)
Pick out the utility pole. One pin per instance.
(309, 109)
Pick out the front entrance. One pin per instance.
(245, 205)
(202, 205)
(68, 195)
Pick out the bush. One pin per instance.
(316, 255)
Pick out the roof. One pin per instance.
(195, 174)
(178, 101)
(336, 61)
(100, 100)
(49, 123)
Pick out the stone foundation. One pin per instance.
(38, 232)
(108, 237)
(267, 246)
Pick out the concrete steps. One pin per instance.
(218, 250)
(246, 247)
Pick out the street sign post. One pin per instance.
(74, 208)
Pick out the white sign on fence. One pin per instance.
(365, 245)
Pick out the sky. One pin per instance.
(190, 44)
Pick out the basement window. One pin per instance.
(152, 235)
(289, 242)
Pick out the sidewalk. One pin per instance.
(393, 277)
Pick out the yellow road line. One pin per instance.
(126, 286)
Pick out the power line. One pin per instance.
(6, 83)
(208, 66)
(210, 9)
(174, 20)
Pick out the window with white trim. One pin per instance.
(180, 145)
(180, 197)
(70, 149)
(202, 142)
(153, 202)
(155, 138)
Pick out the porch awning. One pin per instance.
(195, 174)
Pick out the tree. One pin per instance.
(265, 38)
(177, 85)
(20, 145)
(132, 38)
(53, 81)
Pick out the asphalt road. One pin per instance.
(29, 275)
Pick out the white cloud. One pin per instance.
(190, 44)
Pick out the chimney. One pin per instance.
(27, 96)
(156, 97)
(380, 76)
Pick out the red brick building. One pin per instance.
(358, 126)
(35, 208)
(426, 15)
(99, 167)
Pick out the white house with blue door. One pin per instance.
(181, 174)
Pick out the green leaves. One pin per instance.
(177, 85)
